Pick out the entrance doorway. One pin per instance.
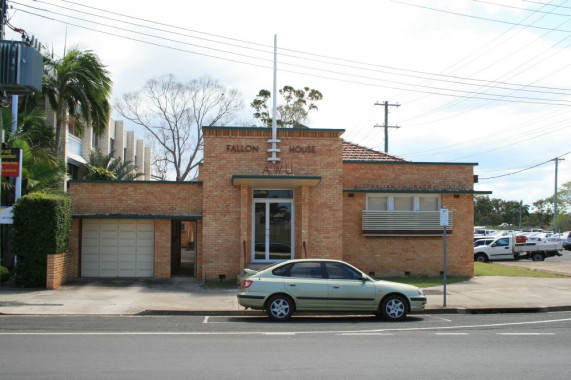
(272, 225)
(183, 248)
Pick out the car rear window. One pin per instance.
(283, 271)
(306, 270)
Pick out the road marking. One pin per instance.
(451, 334)
(526, 334)
(189, 333)
(279, 333)
(366, 334)
(434, 316)
(205, 319)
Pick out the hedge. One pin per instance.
(42, 223)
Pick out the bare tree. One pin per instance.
(174, 113)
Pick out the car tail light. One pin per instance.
(246, 284)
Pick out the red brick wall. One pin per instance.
(393, 256)
(60, 268)
(224, 206)
(162, 267)
(137, 197)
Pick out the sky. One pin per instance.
(483, 82)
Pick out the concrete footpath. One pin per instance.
(188, 296)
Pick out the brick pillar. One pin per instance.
(162, 267)
(245, 221)
(305, 221)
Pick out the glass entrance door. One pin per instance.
(272, 229)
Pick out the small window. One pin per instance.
(284, 194)
(428, 203)
(306, 270)
(377, 203)
(340, 271)
(403, 203)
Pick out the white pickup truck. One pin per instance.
(503, 248)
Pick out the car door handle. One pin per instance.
(335, 287)
(506, 247)
(291, 284)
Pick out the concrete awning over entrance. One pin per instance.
(283, 181)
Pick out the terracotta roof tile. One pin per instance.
(354, 152)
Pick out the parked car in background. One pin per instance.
(485, 241)
(325, 285)
(566, 240)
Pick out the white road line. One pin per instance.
(434, 316)
(366, 334)
(388, 330)
(451, 334)
(525, 334)
(205, 319)
(279, 333)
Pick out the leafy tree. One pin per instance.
(77, 87)
(496, 211)
(295, 111)
(120, 170)
(173, 114)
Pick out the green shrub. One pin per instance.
(101, 174)
(41, 227)
(4, 274)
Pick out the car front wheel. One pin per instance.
(279, 308)
(393, 308)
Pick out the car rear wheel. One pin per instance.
(538, 256)
(481, 258)
(279, 308)
(394, 308)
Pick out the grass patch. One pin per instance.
(487, 269)
(426, 282)
(226, 284)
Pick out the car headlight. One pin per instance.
(419, 291)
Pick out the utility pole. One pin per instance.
(555, 196)
(387, 126)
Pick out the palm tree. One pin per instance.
(123, 170)
(77, 87)
(41, 169)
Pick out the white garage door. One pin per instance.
(117, 248)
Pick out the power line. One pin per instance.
(529, 168)
(453, 79)
(481, 18)
(514, 99)
(525, 9)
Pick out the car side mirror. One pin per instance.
(364, 278)
(493, 244)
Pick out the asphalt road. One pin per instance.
(523, 346)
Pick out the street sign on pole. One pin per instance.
(444, 224)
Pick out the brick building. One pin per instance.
(320, 197)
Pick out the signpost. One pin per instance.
(444, 224)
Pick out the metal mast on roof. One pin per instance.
(274, 140)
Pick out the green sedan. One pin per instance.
(325, 285)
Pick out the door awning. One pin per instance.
(269, 181)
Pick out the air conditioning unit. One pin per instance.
(21, 68)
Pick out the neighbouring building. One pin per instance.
(124, 145)
(306, 194)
